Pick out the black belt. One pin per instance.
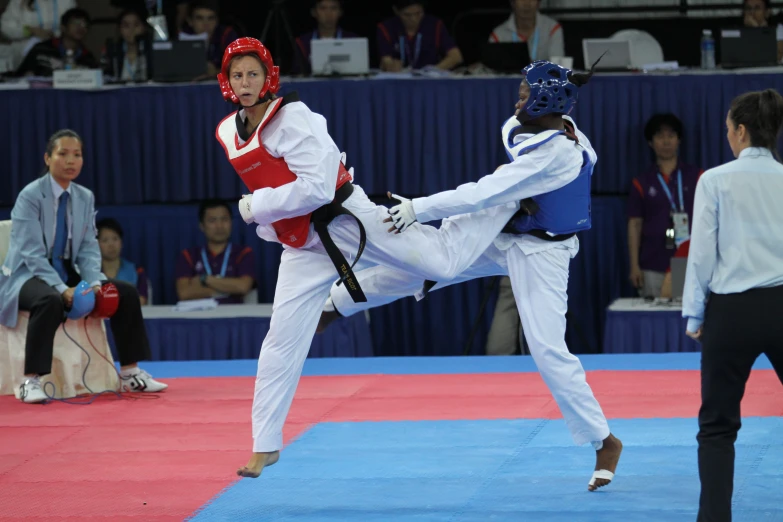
(320, 220)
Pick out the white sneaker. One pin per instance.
(141, 381)
(31, 392)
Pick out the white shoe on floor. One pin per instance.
(141, 381)
(31, 391)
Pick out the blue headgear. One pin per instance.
(551, 91)
(83, 301)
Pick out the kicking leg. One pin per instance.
(540, 284)
(430, 253)
(303, 284)
(383, 285)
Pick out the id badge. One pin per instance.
(681, 228)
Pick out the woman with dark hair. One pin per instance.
(126, 58)
(52, 235)
(660, 198)
(733, 297)
(551, 165)
(113, 265)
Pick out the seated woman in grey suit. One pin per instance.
(52, 235)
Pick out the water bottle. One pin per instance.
(70, 63)
(707, 50)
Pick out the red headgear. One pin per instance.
(245, 46)
(106, 302)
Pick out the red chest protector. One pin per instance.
(259, 169)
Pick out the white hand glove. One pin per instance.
(244, 208)
(402, 215)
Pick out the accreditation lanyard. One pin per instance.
(40, 15)
(226, 255)
(532, 48)
(669, 194)
(404, 50)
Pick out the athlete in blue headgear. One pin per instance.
(545, 190)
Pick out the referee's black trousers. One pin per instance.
(47, 311)
(737, 329)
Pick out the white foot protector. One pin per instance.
(601, 474)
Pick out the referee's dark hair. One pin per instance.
(659, 121)
(52, 143)
(761, 112)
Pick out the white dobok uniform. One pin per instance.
(538, 269)
(306, 274)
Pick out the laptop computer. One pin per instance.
(506, 57)
(178, 61)
(340, 57)
(748, 47)
(618, 57)
(678, 265)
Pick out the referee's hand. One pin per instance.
(695, 336)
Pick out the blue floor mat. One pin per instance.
(512, 470)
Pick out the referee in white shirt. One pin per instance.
(734, 284)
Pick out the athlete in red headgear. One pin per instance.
(303, 197)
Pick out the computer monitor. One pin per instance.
(178, 61)
(340, 57)
(617, 54)
(506, 57)
(748, 47)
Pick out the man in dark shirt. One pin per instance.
(61, 53)
(203, 20)
(659, 195)
(327, 14)
(413, 40)
(221, 270)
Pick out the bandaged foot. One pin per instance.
(606, 459)
(257, 463)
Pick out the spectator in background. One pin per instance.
(413, 40)
(219, 270)
(757, 13)
(660, 197)
(126, 57)
(544, 35)
(327, 14)
(27, 22)
(61, 53)
(113, 265)
(203, 20)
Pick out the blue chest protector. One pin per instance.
(559, 214)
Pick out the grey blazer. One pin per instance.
(32, 228)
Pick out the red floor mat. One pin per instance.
(104, 461)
